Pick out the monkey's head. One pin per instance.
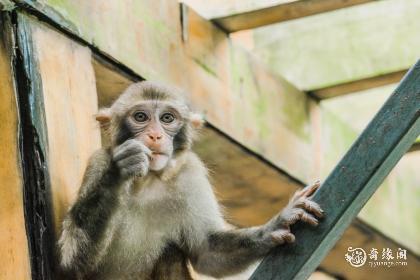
(154, 114)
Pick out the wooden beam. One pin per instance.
(214, 72)
(281, 12)
(415, 147)
(341, 46)
(359, 85)
(388, 136)
(65, 66)
(33, 145)
(110, 81)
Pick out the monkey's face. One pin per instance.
(155, 124)
(154, 114)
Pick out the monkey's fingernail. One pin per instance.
(276, 238)
(290, 238)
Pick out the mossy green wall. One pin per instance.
(344, 45)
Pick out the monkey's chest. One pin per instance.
(151, 215)
(148, 220)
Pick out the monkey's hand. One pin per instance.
(300, 208)
(132, 158)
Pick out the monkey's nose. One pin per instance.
(154, 136)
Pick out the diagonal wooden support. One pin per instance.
(349, 186)
(358, 85)
(281, 12)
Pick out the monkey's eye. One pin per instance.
(140, 117)
(167, 118)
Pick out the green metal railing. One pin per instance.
(353, 181)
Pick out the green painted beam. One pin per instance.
(353, 181)
(393, 210)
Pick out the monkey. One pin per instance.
(146, 208)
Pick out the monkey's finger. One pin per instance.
(282, 236)
(134, 170)
(128, 148)
(309, 190)
(308, 218)
(292, 216)
(147, 151)
(133, 160)
(310, 206)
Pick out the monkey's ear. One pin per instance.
(104, 117)
(197, 120)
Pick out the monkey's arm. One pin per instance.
(86, 222)
(87, 219)
(229, 252)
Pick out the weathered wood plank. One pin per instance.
(58, 100)
(225, 82)
(110, 82)
(70, 103)
(281, 12)
(359, 85)
(33, 146)
(388, 136)
(14, 253)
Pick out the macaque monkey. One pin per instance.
(146, 209)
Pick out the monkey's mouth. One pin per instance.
(158, 160)
(158, 153)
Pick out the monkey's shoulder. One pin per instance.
(193, 164)
(193, 175)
